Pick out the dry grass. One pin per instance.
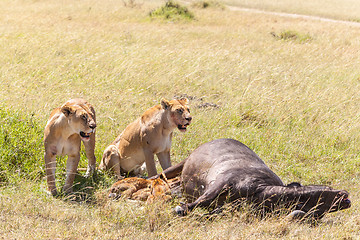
(344, 10)
(35, 216)
(295, 103)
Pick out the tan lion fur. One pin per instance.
(67, 126)
(135, 188)
(148, 135)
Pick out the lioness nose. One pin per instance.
(92, 126)
(188, 118)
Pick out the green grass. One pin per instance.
(20, 147)
(208, 4)
(172, 11)
(290, 35)
(294, 103)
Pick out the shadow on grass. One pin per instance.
(85, 188)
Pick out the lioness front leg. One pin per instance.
(89, 149)
(71, 170)
(164, 159)
(150, 163)
(50, 167)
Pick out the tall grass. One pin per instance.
(295, 103)
(20, 147)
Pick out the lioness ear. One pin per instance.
(184, 101)
(165, 104)
(67, 110)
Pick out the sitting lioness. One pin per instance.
(68, 125)
(148, 135)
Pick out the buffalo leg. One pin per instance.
(214, 195)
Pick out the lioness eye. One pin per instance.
(180, 110)
(188, 109)
(84, 117)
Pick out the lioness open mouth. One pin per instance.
(182, 128)
(85, 136)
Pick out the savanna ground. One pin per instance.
(287, 88)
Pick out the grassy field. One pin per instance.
(287, 88)
(342, 10)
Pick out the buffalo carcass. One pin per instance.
(225, 170)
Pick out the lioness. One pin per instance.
(68, 125)
(148, 135)
(135, 188)
(160, 191)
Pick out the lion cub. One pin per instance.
(67, 126)
(148, 135)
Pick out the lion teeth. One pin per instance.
(84, 134)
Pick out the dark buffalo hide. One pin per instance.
(226, 170)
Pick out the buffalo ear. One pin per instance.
(67, 110)
(165, 104)
(184, 101)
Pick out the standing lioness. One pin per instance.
(148, 135)
(68, 125)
